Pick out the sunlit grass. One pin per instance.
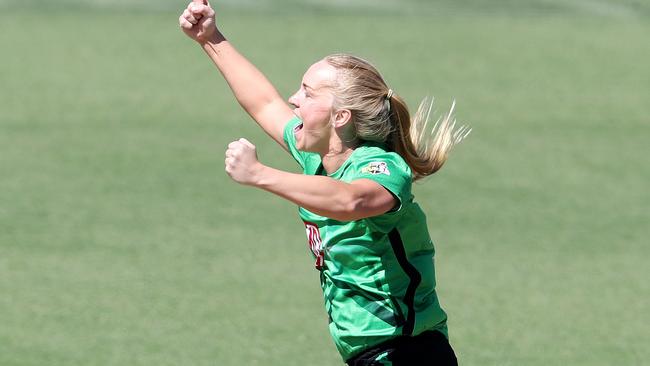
(122, 242)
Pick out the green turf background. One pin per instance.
(123, 242)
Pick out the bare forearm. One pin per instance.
(251, 88)
(319, 194)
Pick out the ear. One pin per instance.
(342, 117)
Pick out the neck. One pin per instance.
(332, 161)
(340, 147)
(337, 154)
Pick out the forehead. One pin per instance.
(319, 75)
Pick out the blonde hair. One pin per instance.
(380, 115)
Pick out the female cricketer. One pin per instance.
(360, 152)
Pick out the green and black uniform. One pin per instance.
(377, 274)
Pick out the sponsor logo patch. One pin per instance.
(376, 167)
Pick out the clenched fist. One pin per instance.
(198, 21)
(241, 162)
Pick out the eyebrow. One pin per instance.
(315, 90)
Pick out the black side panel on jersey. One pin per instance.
(414, 279)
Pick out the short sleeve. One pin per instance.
(290, 140)
(389, 170)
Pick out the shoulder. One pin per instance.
(375, 159)
(374, 162)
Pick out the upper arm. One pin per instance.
(385, 180)
(370, 199)
(273, 117)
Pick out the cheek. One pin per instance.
(317, 121)
(319, 112)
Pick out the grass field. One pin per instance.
(123, 242)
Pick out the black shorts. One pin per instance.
(430, 348)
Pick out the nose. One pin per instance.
(293, 100)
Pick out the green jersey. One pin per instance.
(377, 273)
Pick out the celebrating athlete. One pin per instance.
(360, 152)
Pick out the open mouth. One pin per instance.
(297, 128)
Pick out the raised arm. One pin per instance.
(251, 88)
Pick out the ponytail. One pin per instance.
(424, 150)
